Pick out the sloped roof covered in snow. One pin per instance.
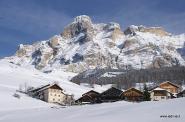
(46, 87)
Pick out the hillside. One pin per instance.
(85, 45)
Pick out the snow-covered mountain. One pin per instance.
(85, 45)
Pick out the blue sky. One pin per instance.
(27, 21)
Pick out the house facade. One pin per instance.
(171, 87)
(159, 94)
(51, 93)
(133, 95)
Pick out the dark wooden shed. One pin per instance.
(90, 97)
(111, 95)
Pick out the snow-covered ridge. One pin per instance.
(84, 45)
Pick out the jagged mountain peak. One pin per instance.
(86, 45)
(82, 18)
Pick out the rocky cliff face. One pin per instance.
(84, 45)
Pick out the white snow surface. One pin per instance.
(106, 112)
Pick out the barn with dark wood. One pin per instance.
(132, 94)
(90, 97)
(111, 95)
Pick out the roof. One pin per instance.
(152, 88)
(38, 88)
(112, 88)
(132, 88)
(161, 89)
(45, 87)
(84, 96)
(87, 97)
(171, 84)
(182, 92)
(91, 91)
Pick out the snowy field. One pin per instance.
(107, 112)
(27, 109)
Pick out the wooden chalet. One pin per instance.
(171, 87)
(111, 95)
(90, 97)
(132, 94)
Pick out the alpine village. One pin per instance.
(53, 93)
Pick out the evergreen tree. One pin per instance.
(146, 93)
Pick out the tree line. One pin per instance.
(129, 78)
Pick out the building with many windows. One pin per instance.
(51, 93)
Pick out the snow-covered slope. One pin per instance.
(84, 45)
(13, 77)
(106, 112)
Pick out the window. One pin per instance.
(58, 95)
(55, 95)
(53, 99)
(58, 99)
(162, 97)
